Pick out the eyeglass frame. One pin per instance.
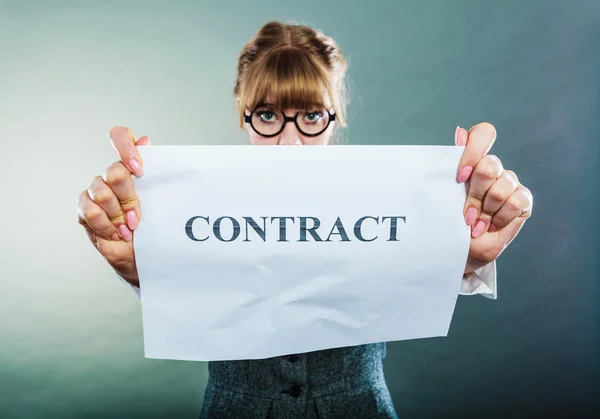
(286, 119)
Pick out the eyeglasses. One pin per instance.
(268, 122)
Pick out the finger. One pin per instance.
(123, 142)
(103, 196)
(119, 180)
(516, 209)
(486, 173)
(497, 195)
(92, 216)
(480, 139)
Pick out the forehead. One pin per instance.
(275, 106)
(297, 103)
(287, 94)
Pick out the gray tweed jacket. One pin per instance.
(335, 383)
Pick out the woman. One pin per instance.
(290, 91)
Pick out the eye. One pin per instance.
(313, 116)
(266, 116)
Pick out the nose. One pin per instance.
(290, 135)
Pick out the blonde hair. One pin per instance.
(291, 66)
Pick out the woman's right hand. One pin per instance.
(109, 209)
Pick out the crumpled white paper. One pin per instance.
(215, 287)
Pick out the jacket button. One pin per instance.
(294, 391)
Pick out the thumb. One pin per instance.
(123, 142)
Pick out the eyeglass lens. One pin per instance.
(269, 121)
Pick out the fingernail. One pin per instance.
(471, 216)
(125, 232)
(132, 219)
(115, 237)
(456, 135)
(492, 228)
(465, 173)
(136, 167)
(478, 230)
(461, 138)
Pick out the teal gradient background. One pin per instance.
(70, 331)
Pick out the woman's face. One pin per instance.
(290, 134)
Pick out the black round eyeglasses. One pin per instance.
(269, 122)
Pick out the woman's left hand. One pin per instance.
(497, 205)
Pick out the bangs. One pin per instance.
(286, 78)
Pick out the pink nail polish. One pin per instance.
(114, 237)
(478, 229)
(492, 228)
(471, 216)
(125, 232)
(465, 173)
(461, 138)
(132, 219)
(136, 167)
(456, 135)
